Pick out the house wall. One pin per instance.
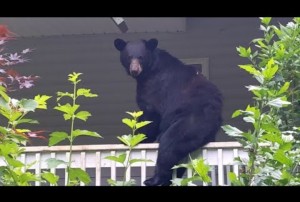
(94, 55)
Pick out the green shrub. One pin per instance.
(272, 149)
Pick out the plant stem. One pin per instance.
(253, 152)
(128, 156)
(71, 136)
(126, 166)
(11, 174)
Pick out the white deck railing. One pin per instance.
(219, 155)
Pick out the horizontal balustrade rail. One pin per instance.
(219, 155)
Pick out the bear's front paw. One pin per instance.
(156, 181)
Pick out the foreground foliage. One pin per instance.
(271, 143)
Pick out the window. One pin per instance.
(200, 63)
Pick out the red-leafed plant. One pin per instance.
(14, 111)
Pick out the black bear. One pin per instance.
(184, 107)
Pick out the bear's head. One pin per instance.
(136, 56)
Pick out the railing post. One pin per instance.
(220, 167)
(98, 169)
(82, 164)
(38, 167)
(143, 168)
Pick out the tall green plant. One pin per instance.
(131, 141)
(71, 113)
(273, 152)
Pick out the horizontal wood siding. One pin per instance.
(95, 56)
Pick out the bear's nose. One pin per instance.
(135, 67)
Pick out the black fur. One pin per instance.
(184, 106)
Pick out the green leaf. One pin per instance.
(286, 177)
(263, 28)
(81, 175)
(249, 119)
(67, 116)
(13, 162)
(258, 88)
(236, 113)
(4, 104)
(24, 178)
(129, 122)
(138, 138)
(259, 41)
(29, 165)
(28, 105)
(278, 102)
(3, 93)
(232, 131)
(121, 158)
(284, 88)
(243, 52)
(234, 180)
(135, 114)
(183, 165)
(248, 136)
(277, 31)
(272, 138)
(85, 92)
(178, 182)
(270, 127)
(142, 124)
(265, 20)
(9, 148)
(250, 69)
(6, 113)
(14, 116)
(78, 132)
(54, 163)
(270, 70)
(3, 130)
(286, 146)
(132, 141)
(282, 158)
(253, 111)
(186, 181)
(201, 169)
(50, 177)
(67, 108)
(280, 52)
(131, 182)
(132, 161)
(112, 182)
(83, 115)
(57, 137)
(31, 121)
(63, 94)
(259, 78)
(74, 77)
(41, 101)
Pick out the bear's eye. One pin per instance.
(140, 58)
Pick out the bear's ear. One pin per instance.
(119, 44)
(151, 44)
